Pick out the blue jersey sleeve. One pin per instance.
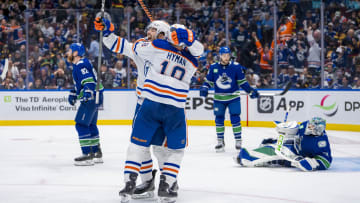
(209, 79)
(241, 80)
(84, 77)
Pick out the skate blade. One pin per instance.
(220, 150)
(167, 199)
(98, 160)
(125, 198)
(84, 163)
(145, 196)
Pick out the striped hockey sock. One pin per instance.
(237, 130)
(131, 167)
(170, 170)
(145, 170)
(220, 129)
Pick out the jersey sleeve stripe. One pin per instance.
(122, 45)
(87, 80)
(135, 43)
(113, 46)
(117, 45)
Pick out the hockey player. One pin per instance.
(86, 118)
(305, 146)
(156, 30)
(226, 77)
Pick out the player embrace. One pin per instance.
(165, 71)
(305, 146)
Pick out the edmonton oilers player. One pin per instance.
(305, 146)
(86, 118)
(226, 77)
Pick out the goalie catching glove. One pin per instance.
(103, 24)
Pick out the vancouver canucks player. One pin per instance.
(226, 77)
(305, 146)
(86, 118)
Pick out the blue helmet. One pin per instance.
(224, 50)
(79, 48)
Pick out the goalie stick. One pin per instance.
(99, 57)
(284, 91)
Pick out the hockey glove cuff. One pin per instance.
(254, 94)
(88, 95)
(204, 91)
(181, 35)
(72, 97)
(104, 25)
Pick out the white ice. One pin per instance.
(36, 165)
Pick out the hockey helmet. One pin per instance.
(315, 126)
(79, 48)
(161, 27)
(224, 50)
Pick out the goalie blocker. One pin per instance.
(305, 146)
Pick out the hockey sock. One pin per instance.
(87, 142)
(220, 129)
(145, 170)
(236, 126)
(172, 165)
(134, 156)
(161, 153)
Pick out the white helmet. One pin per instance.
(160, 26)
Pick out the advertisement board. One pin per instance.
(341, 109)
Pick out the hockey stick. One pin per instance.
(284, 91)
(99, 57)
(143, 6)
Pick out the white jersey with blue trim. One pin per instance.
(120, 45)
(169, 72)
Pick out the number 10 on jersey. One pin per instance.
(177, 72)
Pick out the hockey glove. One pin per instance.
(104, 25)
(181, 35)
(306, 164)
(88, 95)
(72, 97)
(254, 94)
(204, 91)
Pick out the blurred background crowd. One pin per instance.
(246, 26)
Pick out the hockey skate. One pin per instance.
(129, 188)
(166, 193)
(146, 189)
(84, 160)
(238, 144)
(220, 147)
(98, 156)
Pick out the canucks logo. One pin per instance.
(224, 81)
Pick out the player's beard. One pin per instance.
(70, 58)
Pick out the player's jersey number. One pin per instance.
(177, 72)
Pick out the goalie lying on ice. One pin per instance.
(305, 146)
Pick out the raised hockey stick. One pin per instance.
(99, 57)
(143, 6)
(284, 91)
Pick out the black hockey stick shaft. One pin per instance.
(284, 91)
(99, 57)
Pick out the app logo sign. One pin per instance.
(265, 104)
(329, 110)
(7, 99)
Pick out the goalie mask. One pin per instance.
(161, 27)
(315, 126)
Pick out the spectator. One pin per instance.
(106, 77)
(120, 74)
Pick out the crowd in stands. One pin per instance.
(52, 27)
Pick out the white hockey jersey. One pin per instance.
(120, 45)
(168, 72)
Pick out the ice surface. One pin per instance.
(37, 166)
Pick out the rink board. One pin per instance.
(340, 108)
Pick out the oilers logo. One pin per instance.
(147, 66)
(224, 81)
